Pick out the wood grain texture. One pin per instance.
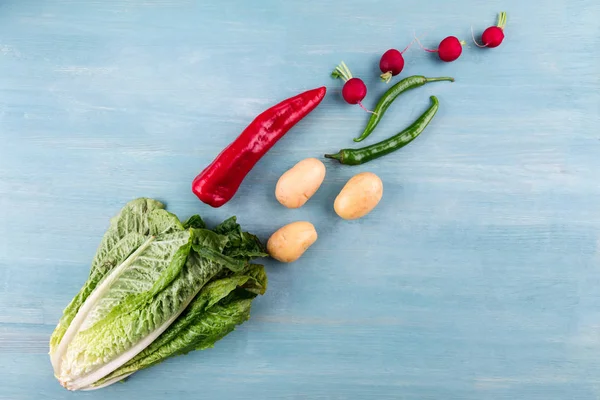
(477, 277)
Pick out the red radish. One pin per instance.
(354, 90)
(450, 48)
(391, 63)
(494, 35)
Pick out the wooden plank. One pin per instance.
(475, 278)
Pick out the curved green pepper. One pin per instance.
(388, 97)
(364, 154)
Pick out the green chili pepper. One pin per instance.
(388, 97)
(364, 154)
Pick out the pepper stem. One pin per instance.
(342, 71)
(387, 77)
(336, 156)
(462, 42)
(440, 78)
(502, 20)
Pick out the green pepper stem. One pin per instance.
(336, 156)
(502, 20)
(440, 78)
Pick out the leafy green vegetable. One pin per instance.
(195, 221)
(241, 245)
(217, 309)
(127, 232)
(157, 288)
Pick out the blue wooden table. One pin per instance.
(477, 277)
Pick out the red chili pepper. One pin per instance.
(219, 182)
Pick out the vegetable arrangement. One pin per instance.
(362, 192)
(391, 64)
(159, 287)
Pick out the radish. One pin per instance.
(391, 63)
(450, 48)
(354, 89)
(494, 35)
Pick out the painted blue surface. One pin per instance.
(477, 277)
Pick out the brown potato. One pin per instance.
(300, 182)
(359, 196)
(291, 241)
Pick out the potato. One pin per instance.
(359, 196)
(300, 182)
(291, 241)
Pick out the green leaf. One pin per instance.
(210, 239)
(220, 258)
(135, 303)
(249, 248)
(195, 221)
(162, 221)
(125, 309)
(228, 226)
(258, 282)
(173, 271)
(241, 245)
(217, 309)
(216, 324)
(127, 231)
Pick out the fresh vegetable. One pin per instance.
(289, 242)
(148, 271)
(494, 35)
(354, 89)
(219, 182)
(391, 63)
(220, 306)
(299, 183)
(390, 95)
(359, 196)
(449, 49)
(368, 153)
